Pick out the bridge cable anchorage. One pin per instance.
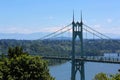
(97, 32)
(42, 38)
(59, 33)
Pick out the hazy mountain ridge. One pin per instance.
(38, 35)
(21, 36)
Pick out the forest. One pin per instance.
(25, 48)
(95, 47)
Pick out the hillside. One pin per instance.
(61, 47)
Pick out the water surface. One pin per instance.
(63, 71)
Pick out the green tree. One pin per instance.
(23, 67)
(2, 57)
(15, 52)
(115, 77)
(103, 76)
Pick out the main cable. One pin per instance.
(97, 31)
(60, 33)
(92, 33)
(55, 32)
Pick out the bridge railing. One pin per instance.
(88, 58)
(101, 58)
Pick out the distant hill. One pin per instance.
(20, 36)
(34, 36)
(61, 47)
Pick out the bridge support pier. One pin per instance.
(78, 66)
(77, 29)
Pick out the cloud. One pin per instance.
(97, 26)
(15, 30)
(25, 30)
(109, 20)
(105, 30)
(112, 32)
(29, 30)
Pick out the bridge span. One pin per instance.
(99, 59)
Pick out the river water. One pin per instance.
(63, 71)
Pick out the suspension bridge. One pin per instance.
(78, 30)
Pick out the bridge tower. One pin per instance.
(77, 30)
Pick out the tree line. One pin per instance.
(62, 47)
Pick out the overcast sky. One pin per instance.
(30, 16)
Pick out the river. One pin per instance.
(63, 71)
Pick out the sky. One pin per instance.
(32, 16)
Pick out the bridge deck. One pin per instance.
(88, 59)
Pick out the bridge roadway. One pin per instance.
(88, 59)
(99, 59)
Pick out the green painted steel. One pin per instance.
(77, 29)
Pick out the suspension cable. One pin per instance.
(55, 32)
(97, 31)
(86, 34)
(96, 34)
(92, 33)
(59, 33)
(111, 40)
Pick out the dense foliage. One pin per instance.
(21, 66)
(103, 76)
(61, 47)
(15, 52)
